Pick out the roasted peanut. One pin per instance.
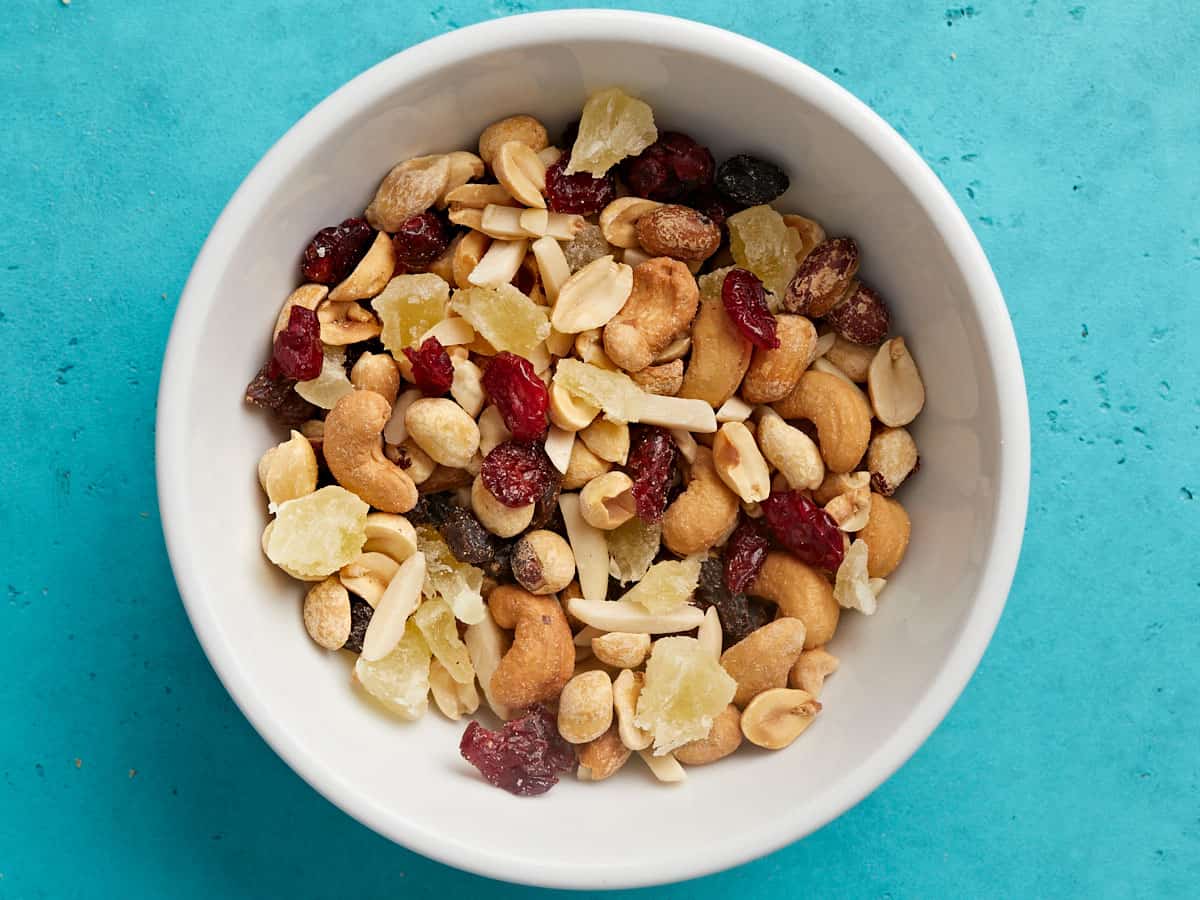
(724, 738)
(288, 470)
(891, 458)
(621, 649)
(740, 464)
(372, 273)
(585, 707)
(377, 372)
(664, 380)
(897, 392)
(606, 502)
(609, 440)
(778, 716)
(523, 128)
(791, 451)
(327, 613)
(627, 687)
(583, 466)
(603, 757)
(444, 430)
(542, 562)
(811, 234)
(502, 521)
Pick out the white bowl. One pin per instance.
(901, 670)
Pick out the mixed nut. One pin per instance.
(582, 435)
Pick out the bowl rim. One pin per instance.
(984, 294)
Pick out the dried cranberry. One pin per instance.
(740, 615)
(745, 300)
(671, 167)
(517, 472)
(299, 353)
(335, 251)
(805, 529)
(419, 241)
(519, 394)
(525, 757)
(744, 555)
(751, 181)
(360, 617)
(579, 193)
(651, 462)
(431, 367)
(272, 391)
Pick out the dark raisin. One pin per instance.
(431, 509)
(360, 617)
(525, 757)
(519, 394)
(739, 614)
(335, 251)
(579, 193)
(277, 394)
(805, 529)
(651, 464)
(751, 181)
(545, 510)
(744, 555)
(299, 353)
(745, 300)
(467, 539)
(419, 241)
(354, 352)
(517, 472)
(669, 169)
(431, 367)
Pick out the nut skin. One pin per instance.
(777, 717)
(661, 304)
(664, 380)
(891, 458)
(327, 613)
(840, 412)
(679, 232)
(853, 359)
(444, 430)
(724, 738)
(773, 374)
(606, 502)
(523, 128)
(763, 658)
(583, 466)
(585, 707)
(372, 273)
(800, 592)
(408, 189)
(502, 521)
(542, 562)
(886, 534)
(720, 356)
(705, 514)
(811, 670)
(542, 656)
(860, 315)
(377, 372)
(353, 450)
(822, 278)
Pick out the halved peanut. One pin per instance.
(553, 266)
(391, 534)
(606, 502)
(621, 649)
(778, 716)
(627, 688)
(346, 323)
(603, 757)
(891, 458)
(811, 670)
(724, 738)
(289, 470)
(401, 598)
(521, 172)
(469, 250)
(851, 508)
(740, 464)
(307, 296)
(897, 392)
(478, 196)
(763, 658)
(609, 440)
(665, 768)
(372, 273)
(569, 412)
(558, 446)
(592, 296)
(523, 128)
(791, 451)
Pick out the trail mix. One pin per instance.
(596, 434)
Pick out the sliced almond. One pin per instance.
(778, 716)
(502, 222)
(553, 267)
(685, 442)
(486, 646)
(618, 615)
(521, 171)
(666, 768)
(534, 222)
(558, 447)
(454, 700)
(735, 409)
(467, 217)
(823, 345)
(710, 634)
(401, 598)
(677, 412)
(372, 273)
(564, 226)
(591, 554)
(897, 392)
(618, 221)
(451, 332)
(499, 264)
(477, 196)
(369, 574)
(592, 296)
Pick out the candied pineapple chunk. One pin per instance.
(667, 585)
(614, 392)
(408, 307)
(761, 242)
(613, 126)
(632, 548)
(710, 284)
(506, 318)
(685, 689)
(315, 535)
(459, 584)
(400, 681)
(436, 623)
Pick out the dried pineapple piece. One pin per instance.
(685, 689)
(668, 585)
(632, 548)
(315, 535)
(613, 126)
(436, 623)
(459, 584)
(614, 392)
(408, 307)
(761, 242)
(506, 318)
(331, 385)
(400, 681)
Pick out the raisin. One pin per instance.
(651, 464)
(354, 352)
(419, 241)
(467, 539)
(545, 510)
(517, 472)
(431, 509)
(335, 251)
(519, 394)
(670, 168)
(745, 300)
(431, 367)
(525, 757)
(360, 617)
(275, 392)
(739, 614)
(805, 529)
(744, 555)
(751, 181)
(579, 193)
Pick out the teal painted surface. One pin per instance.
(1069, 133)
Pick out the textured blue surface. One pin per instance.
(1070, 134)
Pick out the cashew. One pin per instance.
(523, 128)
(723, 739)
(568, 412)
(327, 613)
(408, 189)
(346, 323)
(886, 533)
(705, 514)
(502, 521)
(583, 466)
(492, 430)
(800, 592)
(542, 656)
(542, 562)
(618, 220)
(467, 386)
(811, 670)
(590, 549)
(289, 470)
(852, 508)
(399, 601)
(372, 273)
(739, 463)
(778, 716)
(853, 359)
(897, 392)
(764, 657)
(665, 768)
(627, 688)
(354, 453)
(621, 649)
(773, 374)
(486, 645)
(585, 707)
(307, 296)
(720, 355)
(592, 296)
(618, 615)
(841, 414)
(664, 380)
(454, 700)
(661, 304)
(467, 254)
(606, 502)
(609, 440)
(891, 458)
(791, 451)
(368, 575)
(521, 172)
(603, 757)
(444, 430)
(377, 372)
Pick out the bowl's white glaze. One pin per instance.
(901, 670)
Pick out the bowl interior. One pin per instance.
(900, 669)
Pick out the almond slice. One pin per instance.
(666, 768)
(618, 615)
(450, 332)
(709, 634)
(553, 267)
(521, 171)
(401, 598)
(685, 442)
(467, 217)
(477, 196)
(503, 222)
(591, 552)
(534, 222)
(897, 392)
(564, 226)
(592, 296)
(499, 264)
(558, 447)
(735, 409)
(677, 412)
(464, 166)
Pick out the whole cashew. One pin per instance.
(354, 453)
(662, 304)
(705, 514)
(800, 592)
(886, 534)
(720, 355)
(840, 412)
(763, 659)
(542, 657)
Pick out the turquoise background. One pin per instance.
(1070, 135)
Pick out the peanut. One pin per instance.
(585, 707)
(724, 738)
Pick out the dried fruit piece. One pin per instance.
(317, 534)
(525, 757)
(614, 392)
(761, 242)
(613, 126)
(400, 681)
(586, 247)
(751, 181)
(745, 300)
(360, 617)
(517, 472)
(669, 169)
(580, 193)
(805, 529)
(744, 555)
(651, 465)
(466, 537)
(685, 690)
(431, 367)
(408, 307)
(419, 241)
(519, 395)
(739, 615)
(458, 583)
(712, 203)
(437, 625)
(335, 251)
(277, 394)
(506, 318)
(298, 351)
(632, 548)
(667, 585)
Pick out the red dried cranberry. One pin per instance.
(432, 370)
(333, 252)
(525, 757)
(579, 193)
(751, 181)
(671, 167)
(745, 300)
(519, 394)
(270, 390)
(419, 241)
(651, 462)
(517, 472)
(744, 555)
(805, 529)
(299, 353)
